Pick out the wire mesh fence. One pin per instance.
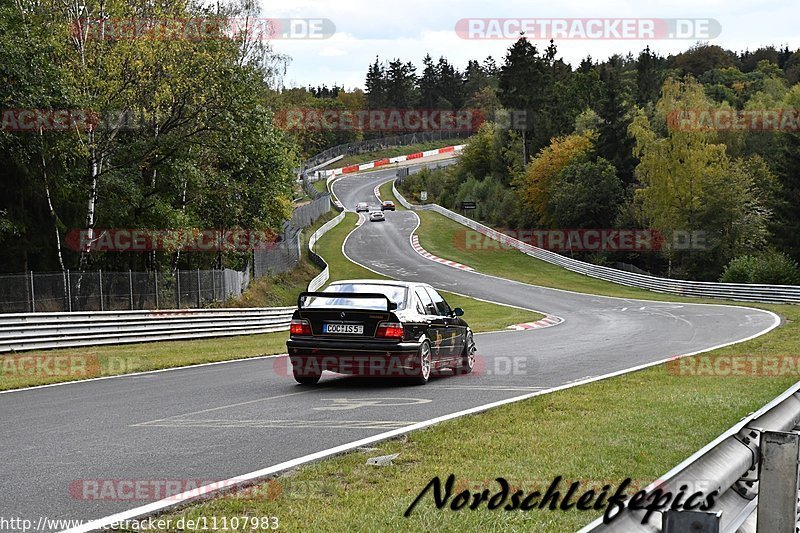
(284, 255)
(36, 292)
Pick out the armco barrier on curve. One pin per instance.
(753, 466)
(324, 276)
(705, 289)
(34, 331)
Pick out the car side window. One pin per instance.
(427, 303)
(420, 308)
(441, 305)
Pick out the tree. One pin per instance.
(614, 143)
(376, 86)
(691, 186)
(541, 176)
(586, 194)
(401, 85)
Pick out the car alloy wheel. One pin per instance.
(468, 356)
(423, 364)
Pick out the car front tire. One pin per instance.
(307, 378)
(468, 356)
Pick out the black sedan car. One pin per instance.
(378, 328)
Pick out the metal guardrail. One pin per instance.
(705, 289)
(40, 331)
(318, 282)
(758, 456)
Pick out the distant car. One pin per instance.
(388, 205)
(362, 206)
(377, 216)
(378, 328)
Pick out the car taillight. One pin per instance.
(300, 327)
(390, 330)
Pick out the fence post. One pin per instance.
(155, 272)
(33, 295)
(178, 287)
(777, 482)
(100, 272)
(214, 284)
(130, 286)
(69, 292)
(198, 290)
(224, 287)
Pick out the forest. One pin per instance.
(171, 133)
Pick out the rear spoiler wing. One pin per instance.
(390, 305)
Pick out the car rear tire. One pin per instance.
(468, 356)
(307, 378)
(423, 365)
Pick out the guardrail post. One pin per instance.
(778, 482)
(198, 290)
(100, 273)
(33, 295)
(69, 292)
(130, 286)
(693, 521)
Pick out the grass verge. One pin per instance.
(30, 369)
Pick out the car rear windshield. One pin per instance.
(395, 293)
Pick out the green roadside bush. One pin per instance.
(771, 268)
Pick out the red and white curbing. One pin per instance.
(377, 192)
(547, 322)
(427, 255)
(383, 162)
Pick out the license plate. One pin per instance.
(343, 329)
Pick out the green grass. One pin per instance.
(446, 238)
(17, 372)
(321, 185)
(640, 425)
(366, 157)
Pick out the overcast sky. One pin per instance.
(409, 29)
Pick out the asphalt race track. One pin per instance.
(216, 422)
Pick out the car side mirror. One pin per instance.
(458, 312)
(392, 306)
